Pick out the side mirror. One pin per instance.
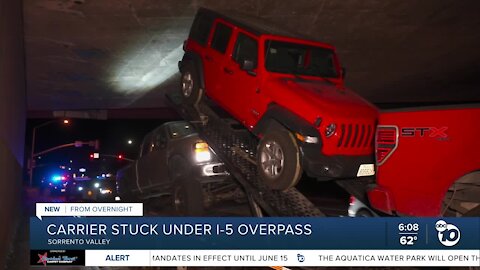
(247, 65)
(344, 72)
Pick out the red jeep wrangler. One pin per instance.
(428, 162)
(287, 90)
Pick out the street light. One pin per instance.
(129, 141)
(32, 154)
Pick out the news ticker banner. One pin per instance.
(174, 241)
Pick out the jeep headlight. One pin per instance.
(306, 139)
(330, 130)
(202, 152)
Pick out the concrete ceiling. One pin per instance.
(100, 54)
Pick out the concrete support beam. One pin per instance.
(12, 120)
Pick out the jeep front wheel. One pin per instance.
(189, 85)
(278, 160)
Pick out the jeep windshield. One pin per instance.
(299, 59)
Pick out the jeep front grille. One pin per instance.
(355, 136)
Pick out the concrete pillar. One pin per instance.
(12, 119)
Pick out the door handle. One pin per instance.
(228, 71)
(208, 58)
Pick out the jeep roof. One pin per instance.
(254, 25)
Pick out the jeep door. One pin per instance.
(214, 60)
(243, 84)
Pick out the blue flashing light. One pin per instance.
(56, 178)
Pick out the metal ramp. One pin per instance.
(237, 149)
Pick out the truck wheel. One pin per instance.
(189, 84)
(461, 199)
(278, 159)
(188, 197)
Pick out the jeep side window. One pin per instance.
(246, 48)
(201, 28)
(221, 37)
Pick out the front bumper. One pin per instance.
(211, 172)
(317, 165)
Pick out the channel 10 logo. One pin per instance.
(448, 234)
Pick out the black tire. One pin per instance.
(281, 175)
(474, 212)
(187, 197)
(457, 202)
(190, 84)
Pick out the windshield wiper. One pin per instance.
(296, 73)
(328, 80)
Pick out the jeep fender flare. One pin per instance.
(196, 59)
(278, 115)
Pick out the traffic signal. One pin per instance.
(120, 156)
(95, 144)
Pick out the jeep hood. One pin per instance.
(322, 97)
